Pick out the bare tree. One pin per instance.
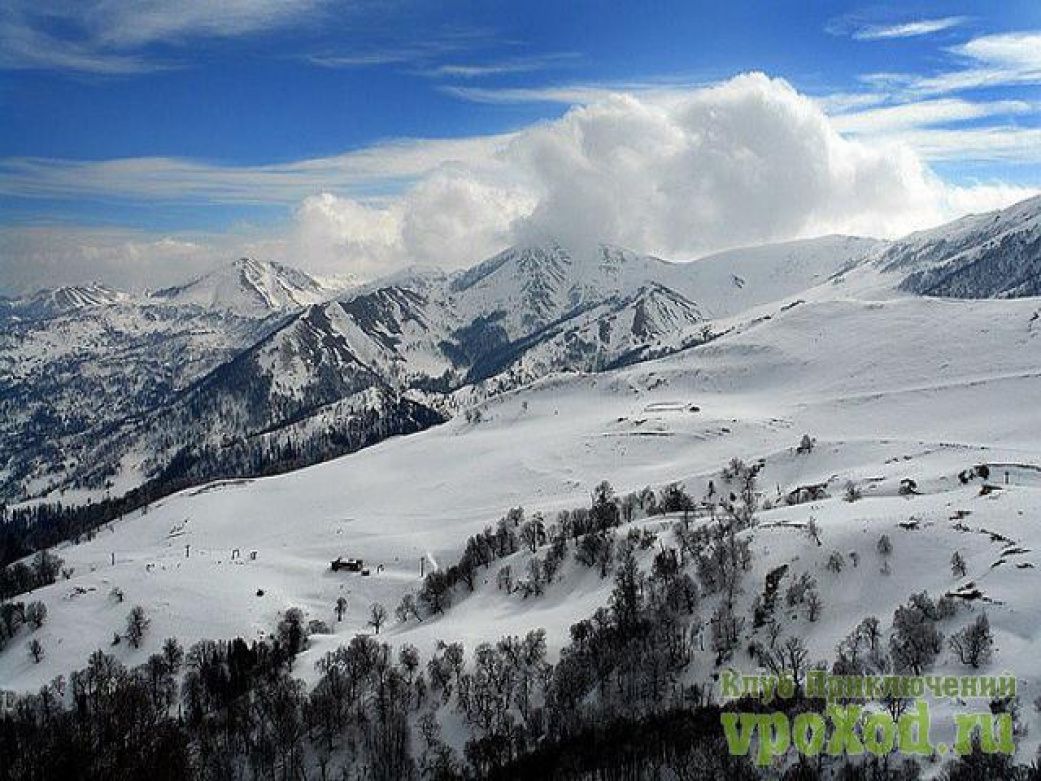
(436, 593)
(814, 605)
(504, 580)
(790, 657)
(377, 616)
(915, 642)
(773, 632)
(173, 654)
(975, 643)
(958, 566)
(408, 608)
(725, 631)
(813, 530)
(36, 650)
(885, 550)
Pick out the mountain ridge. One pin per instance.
(292, 346)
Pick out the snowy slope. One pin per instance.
(733, 281)
(899, 404)
(69, 382)
(821, 337)
(997, 254)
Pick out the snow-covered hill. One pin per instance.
(993, 255)
(734, 281)
(252, 288)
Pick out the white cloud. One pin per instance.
(123, 24)
(38, 256)
(1009, 144)
(976, 199)
(98, 36)
(24, 46)
(925, 113)
(678, 173)
(382, 166)
(906, 29)
(578, 94)
(747, 161)
(992, 61)
(528, 64)
(447, 220)
(433, 45)
(1020, 50)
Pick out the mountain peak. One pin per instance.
(251, 287)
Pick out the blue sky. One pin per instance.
(216, 126)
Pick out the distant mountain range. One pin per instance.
(259, 367)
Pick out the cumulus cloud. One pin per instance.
(747, 161)
(683, 174)
(678, 173)
(446, 220)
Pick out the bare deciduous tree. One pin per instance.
(975, 643)
(377, 616)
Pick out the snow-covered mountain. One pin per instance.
(388, 358)
(60, 301)
(260, 347)
(730, 282)
(423, 328)
(993, 255)
(252, 288)
(72, 381)
(256, 348)
(920, 412)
